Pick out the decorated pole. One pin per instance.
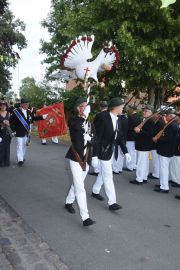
(87, 88)
(75, 64)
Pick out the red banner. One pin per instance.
(54, 124)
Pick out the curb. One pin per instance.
(21, 248)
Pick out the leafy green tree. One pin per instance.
(10, 36)
(147, 37)
(38, 94)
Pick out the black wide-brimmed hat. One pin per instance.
(115, 102)
(103, 104)
(24, 100)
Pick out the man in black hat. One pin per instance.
(20, 124)
(143, 145)
(109, 136)
(78, 161)
(133, 121)
(174, 167)
(159, 124)
(166, 145)
(103, 106)
(118, 162)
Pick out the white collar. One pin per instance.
(113, 116)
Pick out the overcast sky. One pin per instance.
(32, 12)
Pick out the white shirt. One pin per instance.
(114, 120)
(24, 112)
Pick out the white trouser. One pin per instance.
(142, 169)
(77, 189)
(21, 147)
(131, 165)
(155, 164)
(117, 165)
(97, 168)
(43, 140)
(174, 169)
(164, 172)
(55, 139)
(105, 177)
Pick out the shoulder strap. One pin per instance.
(79, 160)
(22, 120)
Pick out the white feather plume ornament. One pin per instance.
(75, 62)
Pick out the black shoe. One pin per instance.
(161, 190)
(152, 177)
(88, 222)
(135, 182)
(158, 186)
(115, 172)
(175, 185)
(177, 197)
(128, 170)
(97, 196)
(170, 181)
(43, 143)
(114, 207)
(20, 163)
(93, 173)
(145, 181)
(69, 207)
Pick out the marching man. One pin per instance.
(20, 124)
(166, 146)
(78, 162)
(97, 119)
(109, 136)
(143, 145)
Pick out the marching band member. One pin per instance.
(109, 136)
(78, 163)
(159, 124)
(103, 111)
(133, 121)
(174, 167)
(143, 145)
(165, 148)
(20, 124)
(117, 164)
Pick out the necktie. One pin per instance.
(115, 142)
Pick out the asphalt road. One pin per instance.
(144, 235)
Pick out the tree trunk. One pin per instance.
(151, 96)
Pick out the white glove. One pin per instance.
(128, 157)
(0, 139)
(87, 137)
(44, 116)
(87, 111)
(14, 134)
(95, 162)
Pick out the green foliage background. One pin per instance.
(147, 37)
(10, 35)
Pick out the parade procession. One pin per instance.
(90, 155)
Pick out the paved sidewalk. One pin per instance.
(20, 247)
